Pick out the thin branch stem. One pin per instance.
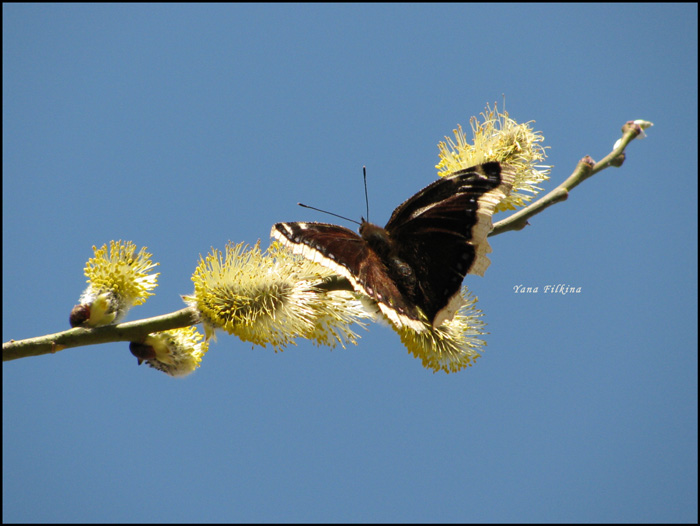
(584, 169)
(132, 331)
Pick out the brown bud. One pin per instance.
(79, 315)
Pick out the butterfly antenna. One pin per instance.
(364, 174)
(329, 213)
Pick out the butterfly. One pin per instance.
(413, 268)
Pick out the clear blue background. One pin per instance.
(181, 127)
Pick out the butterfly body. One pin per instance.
(414, 266)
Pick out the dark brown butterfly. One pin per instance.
(414, 266)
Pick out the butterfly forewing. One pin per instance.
(443, 197)
(346, 253)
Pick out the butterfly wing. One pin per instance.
(441, 234)
(347, 254)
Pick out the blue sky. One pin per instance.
(182, 127)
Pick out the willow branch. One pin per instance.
(132, 331)
(586, 168)
(136, 331)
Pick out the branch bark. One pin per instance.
(131, 331)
